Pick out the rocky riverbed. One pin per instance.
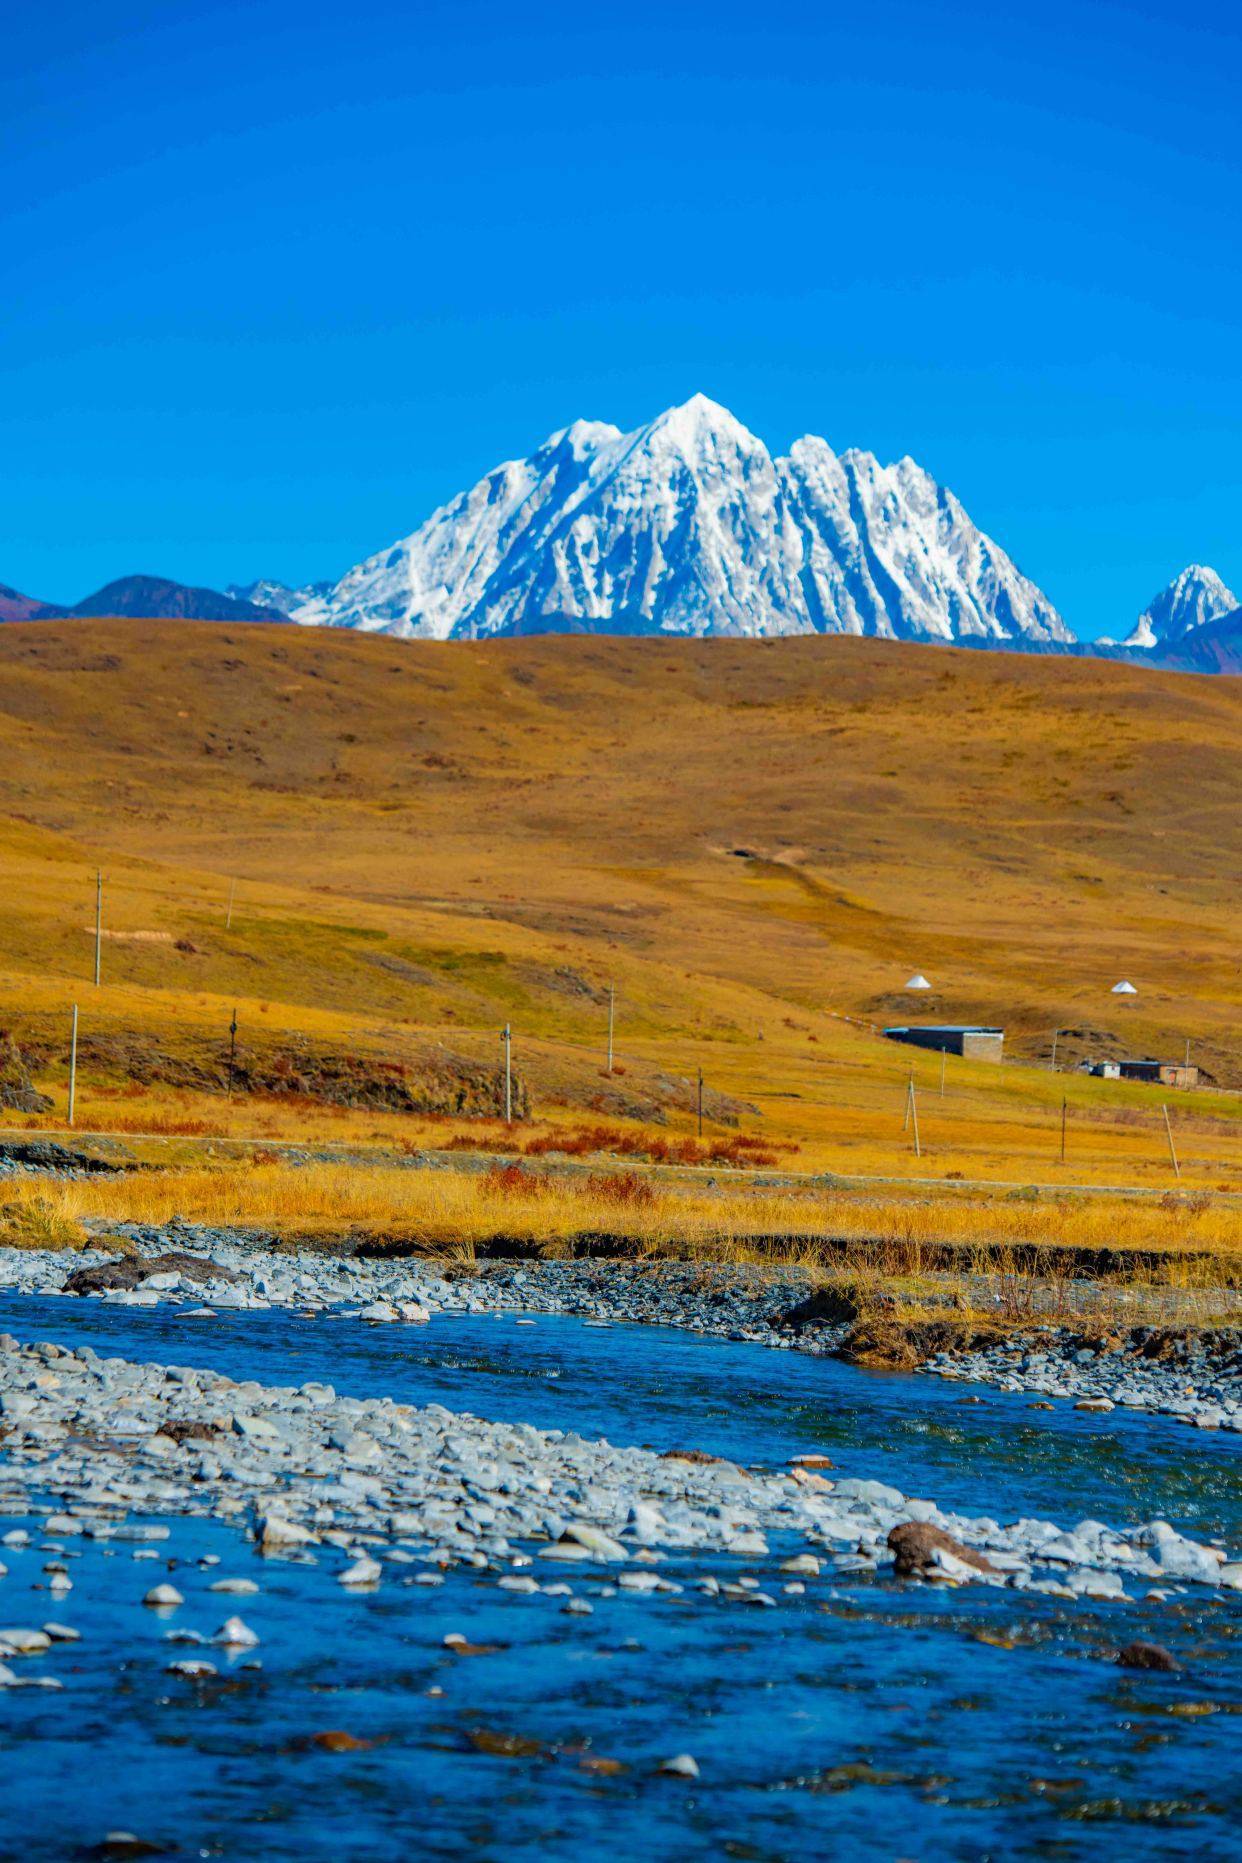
(257, 1577)
(370, 1482)
(1198, 1379)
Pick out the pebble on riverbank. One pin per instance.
(315, 1472)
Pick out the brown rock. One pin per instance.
(189, 1429)
(1148, 1656)
(914, 1543)
(131, 1270)
(337, 1740)
(504, 1746)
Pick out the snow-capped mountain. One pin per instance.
(689, 526)
(1196, 596)
(278, 595)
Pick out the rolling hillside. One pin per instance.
(753, 840)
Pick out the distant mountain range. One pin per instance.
(278, 595)
(150, 597)
(689, 526)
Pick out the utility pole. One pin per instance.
(700, 1102)
(612, 1004)
(98, 922)
(228, 917)
(506, 1035)
(1064, 1109)
(1177, 1169)
(1052, 1065)
(73, 1064)
(232, 1050)
(1188, 1051)
(914, 1116)
(944, 1055)
(905, 1124)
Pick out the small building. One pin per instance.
(1166, 1073)
(1103, 1070)
(977, 1044)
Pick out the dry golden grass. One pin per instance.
(34, 1219)
(452, 1211)
(912, 1276)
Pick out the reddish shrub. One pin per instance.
(172, 1128)
(510, 1180)
(626, 1189)
(580, 1143)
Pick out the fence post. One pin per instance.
(98, 922)
(228, 917)
(1177, 1169)
(1064, 1106)
(914, 1116)
(232, 1050)
(612, 1002)
(507, 1038)
(73, 1064)
(700, 1102)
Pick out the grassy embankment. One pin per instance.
(755, 843)
(959, 1265)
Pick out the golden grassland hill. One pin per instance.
(755, 841)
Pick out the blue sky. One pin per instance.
(277, 280)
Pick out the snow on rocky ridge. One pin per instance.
(278, 595)
(689, 526)
(1191, 600)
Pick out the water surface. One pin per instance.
(864, 1719)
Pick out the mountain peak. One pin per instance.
(701, 407)
(154, 597)
(581, 437)
(14, 606)
(688, 525)
(698, 419)
(1195, 596)
(275, 596)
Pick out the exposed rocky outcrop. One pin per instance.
(131, 1271)
(17, 1091)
